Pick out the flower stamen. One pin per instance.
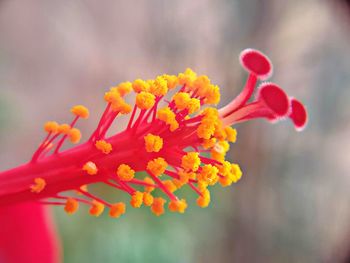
(177, 141)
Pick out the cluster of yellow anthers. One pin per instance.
(73, 134)
(176, 145)
(172, 140)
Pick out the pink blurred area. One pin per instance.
(27, 234)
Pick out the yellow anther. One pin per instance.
(158, 206)
(210, 113)
(124, 88)
(74, 135)
(153, 143)
(178, 206)
(225, 171)
(191, 175)
(209, 143)
(208, 174)
(193, 105)
(224, 168)
(145, 100)
(225, 181)
(90, 168)
(187, 78)
(136, 199)
(157, 166)
(236, 173)
(181, 100)
(178, 183)
(64, 128)
(51, 126)
(168, 116)
(125, 172)
(204, 199)
(96, 208)
(103, 146)
(80, 111)
(218, 149)
(149, 181)
(207, 91)
(117, 209)
(190, 72)
(119, 105)
(191, 161)
(171, 80)
(184, 178)
(147, 199)
(159, 87)
(205, 131)
(200, 85)
(112, 95)
(225, 145)
(202, 186)
(38, 186)
(140, 85)
(208, 123)
(212, 95)
(125, 108)
(170, 185)
(231, 134)
(217, 156)
(71, 206)
(174, 125)
(219, 133)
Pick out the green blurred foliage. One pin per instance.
(139, 235)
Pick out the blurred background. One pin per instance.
(293, 203)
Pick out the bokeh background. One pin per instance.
(293, 204)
